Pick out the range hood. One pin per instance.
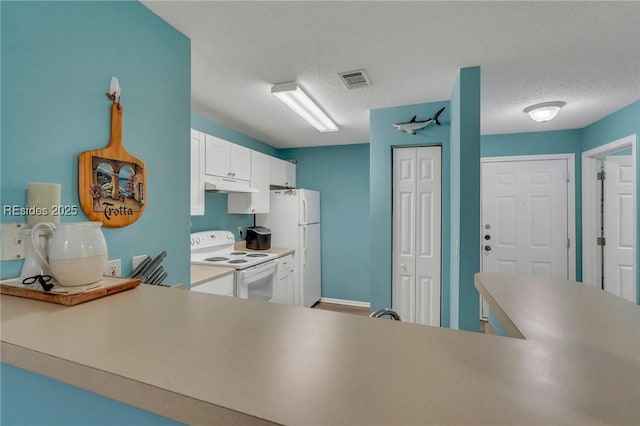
(219, 184)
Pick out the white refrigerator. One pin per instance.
(294, 221)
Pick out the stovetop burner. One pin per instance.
(237, 253)
(238, 261)
(256, 255)
(217, 259)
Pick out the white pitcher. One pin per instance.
(32, 263)
(77, 252)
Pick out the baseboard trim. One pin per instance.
(346, 302)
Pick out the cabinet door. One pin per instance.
(284, 285)
(217, 156)
(283, 173)
(260, 174)
(197, 173)
(260, 178)
(239, 162)
(289, 174)
(277, 172)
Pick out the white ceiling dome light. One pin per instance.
(545, 111)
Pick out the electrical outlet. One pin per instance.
(13, 244)
(240, 231)
(114, 268)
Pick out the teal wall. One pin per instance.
(215, 204)
(31, 399)
(211, 127)
(621, 123)
(537, 143)
(464, 249)
(383, 138)
(57, 61)
(341, 174)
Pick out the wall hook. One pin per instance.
(114, 90)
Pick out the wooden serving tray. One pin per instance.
(110, 285)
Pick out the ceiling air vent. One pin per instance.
(355, 79)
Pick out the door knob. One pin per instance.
(487, 248)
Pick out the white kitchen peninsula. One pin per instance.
(252, 362)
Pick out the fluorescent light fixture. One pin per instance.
(293, 96)
(545, 111)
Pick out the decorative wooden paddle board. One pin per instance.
(112, 182)
(76, 295)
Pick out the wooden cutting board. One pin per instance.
(110, 285)
(112, 182)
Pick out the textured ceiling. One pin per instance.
(586, 54)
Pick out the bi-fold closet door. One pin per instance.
(417, 248)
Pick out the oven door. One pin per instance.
(257, 282)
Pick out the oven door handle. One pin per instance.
(250, 276)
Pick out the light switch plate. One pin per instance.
(137, 260)
(13, 245)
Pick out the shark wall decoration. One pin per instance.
(411, 126)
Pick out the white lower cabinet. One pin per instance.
(255, 202)
(222, 286)
(284, 280)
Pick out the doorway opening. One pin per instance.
(609, 218)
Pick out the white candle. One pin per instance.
(43, 203)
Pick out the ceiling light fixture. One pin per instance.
(545, 111)
(293, 96)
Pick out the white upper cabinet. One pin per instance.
(216, 160)
(226, 159)
(197, 173)
(260, 177)
(283, 173)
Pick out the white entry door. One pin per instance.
(416, 263)
(524, 218)
(619, 226)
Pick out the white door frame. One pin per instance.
(571, 199)
(590, 206)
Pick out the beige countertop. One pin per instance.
(203, 273)
(248, 362)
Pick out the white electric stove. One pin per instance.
(215, 248)
(255, 272)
